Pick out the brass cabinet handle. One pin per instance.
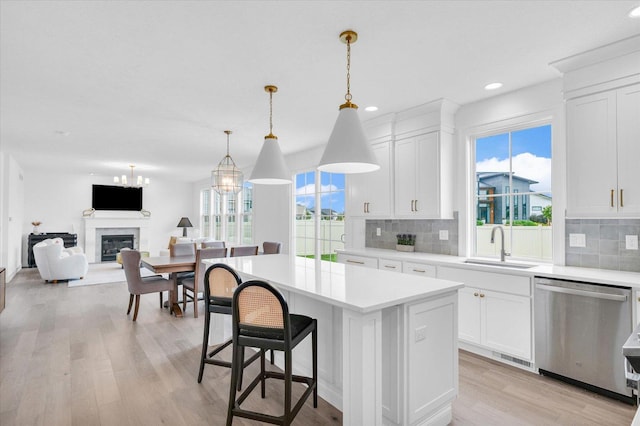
(412, 206)
(416, 204)
(621, 198)
(612, 191)
(390, 266)
(475, 294)
(481, 294)
(355, 261)
(422, 271)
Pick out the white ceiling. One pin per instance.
(93, 86)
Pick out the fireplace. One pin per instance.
(112, 244)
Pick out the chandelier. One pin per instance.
(348, 150)
(227, 178)
(139, 181)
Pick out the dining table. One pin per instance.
(172, 266)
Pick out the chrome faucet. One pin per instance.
(493, 235)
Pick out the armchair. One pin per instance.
(56, 263)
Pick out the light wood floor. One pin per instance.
(71, 356)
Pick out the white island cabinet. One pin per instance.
(387, 348)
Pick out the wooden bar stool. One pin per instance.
(220, 282)
(261, 319)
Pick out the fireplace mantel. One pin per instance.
(113, 219)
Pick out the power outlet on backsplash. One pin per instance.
(631, 242)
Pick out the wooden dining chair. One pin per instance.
(271, 247)
(138, 285)
(213, 244)
(244, 251)
(191, 286)
(261, 319)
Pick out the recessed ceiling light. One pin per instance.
(62, 133)
(493, 86)
(635, 12)
(371, 108)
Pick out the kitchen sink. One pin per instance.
(505, 264)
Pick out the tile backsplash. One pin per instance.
(427, 233)
(605, 244)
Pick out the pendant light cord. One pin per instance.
(270, 112)
(348, 96)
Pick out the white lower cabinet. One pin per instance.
(349, 259)
(494, 311)
(419, 269)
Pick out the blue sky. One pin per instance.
(531, 152)
(332, 189)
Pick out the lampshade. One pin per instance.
(184, 224)
(270, 168)
(227, 178)
(348, 150)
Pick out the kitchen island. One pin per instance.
(387, 349)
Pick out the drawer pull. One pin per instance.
(612, 191)
(422, 271)
(390, 266)
(355, 261)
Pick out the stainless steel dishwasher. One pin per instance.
(579, 332)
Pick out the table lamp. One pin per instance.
(184, 224)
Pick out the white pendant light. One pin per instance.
(270, 169)
(348, 150)
(227, 178)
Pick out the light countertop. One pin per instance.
(353, 287)
(600, 276)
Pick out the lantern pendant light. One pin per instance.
(348, 150)
(227, 178)
(270, 168)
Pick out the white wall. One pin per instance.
(58, 200)
(272, 214)
(539, 102)
(11, 208)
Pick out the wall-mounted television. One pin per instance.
(110, 197)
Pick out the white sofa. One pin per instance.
(55, 262)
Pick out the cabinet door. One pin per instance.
(427, 157)
(628, 132)
(405, 173)
(591, 156)
(369, 194)
(469, 315)
(506, 323)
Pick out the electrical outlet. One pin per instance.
(444, 234)
(378, 232)
(631, 242)
(577, 240)
(421, 333)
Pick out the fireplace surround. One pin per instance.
(114, 223)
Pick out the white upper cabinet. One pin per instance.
(603, 153)
(422, 183)
(369, 194)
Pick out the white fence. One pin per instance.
(331, 232)
(528, 241)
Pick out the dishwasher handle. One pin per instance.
(614, 297)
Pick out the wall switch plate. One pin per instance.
(444, 234)
(421, 333)
(631, 242)
(378, 232)
(577, 240)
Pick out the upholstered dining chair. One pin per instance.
(271, 247)
(213, 244)
(183, 249)
(261, 319)
(190, 286)
(138, 285)
(220, 281)
(244, 251)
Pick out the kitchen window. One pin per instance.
(319, 214)
(511, 169)
(227, 217)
